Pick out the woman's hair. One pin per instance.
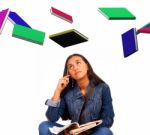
(91, 74)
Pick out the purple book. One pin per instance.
(3, 17)
(61, 14)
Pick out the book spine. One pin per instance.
(86, 38)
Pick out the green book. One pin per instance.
(28, 34)
(117, 13)
(68, 38)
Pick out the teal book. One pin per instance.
(145, 26)
(28, 34)
(116, 13)
(68, 38)
(144, 30)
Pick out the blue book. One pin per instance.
(16, 19)
(129, 41)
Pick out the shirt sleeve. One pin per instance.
(107, 112)
(56, 109)
(52, 103)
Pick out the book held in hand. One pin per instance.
(74, 128)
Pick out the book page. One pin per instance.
(90, 123)
(85, 127)
(57, 130)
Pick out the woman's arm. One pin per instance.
(56, 105)
(107, 112)
(55, 109)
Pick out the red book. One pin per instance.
(144, 30)
(61, 14)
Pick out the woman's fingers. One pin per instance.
(66, 78)
(64, 81)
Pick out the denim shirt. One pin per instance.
(98, 106)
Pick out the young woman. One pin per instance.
(69, 98)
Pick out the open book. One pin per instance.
(74, 128)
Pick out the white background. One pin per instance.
(29, 72)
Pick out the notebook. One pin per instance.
(16, 19)
(146, 25)
(144, 30)
(68, 38)
(3, 17)
(61, 14)
(116, 13)
(28, 34)
(129, 41)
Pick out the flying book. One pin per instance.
(16, 19)
(68, 38)
(146, 25)
(144, 30)
(116, 13)
(129, 41)
(74, 128)
(28, 34)
(61, 14)
(3, 17)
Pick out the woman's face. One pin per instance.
(77, 68)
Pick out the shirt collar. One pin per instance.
(76, 91)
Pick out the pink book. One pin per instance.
(144, 30)
(3, 17)
(61, 14)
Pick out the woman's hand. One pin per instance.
(62, 83)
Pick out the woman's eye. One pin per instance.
(78, 62)
(70, 67)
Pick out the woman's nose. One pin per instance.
(75, 67)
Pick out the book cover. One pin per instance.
(68, 38)
(74, 128)
(146, 25)
(129, 41)
(28, 34)
(16, 19)
(116, 13)
(61, 14)
(3, 17)
(144, 30)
